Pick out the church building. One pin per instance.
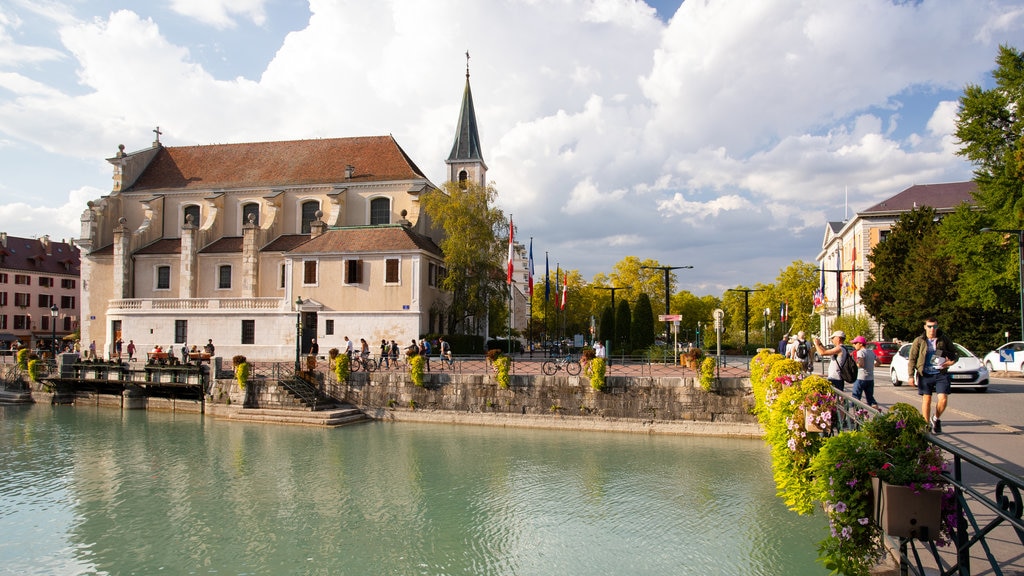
(262, 247)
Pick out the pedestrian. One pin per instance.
(184, 353)
(838, 352)
(446, 353)
(131, 349)
(92, 350)
(394, 354)
(425, 352)
(384, 349)
(931, 355)
(117, 347)
(364, 350)
(599, 350)
(349, 348)
(209, 348)
(802, 352)
(784, 344)
(865, 372)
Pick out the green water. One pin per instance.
(100, 491)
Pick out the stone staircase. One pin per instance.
(342, 415)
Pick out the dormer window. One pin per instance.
(309, 209)
(251, 210)
(380, 211)
(192, 211)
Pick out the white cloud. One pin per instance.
(600, 124)
(220, 13)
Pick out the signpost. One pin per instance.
(674, 319)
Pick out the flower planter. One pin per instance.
(903, 512)
(812, 420)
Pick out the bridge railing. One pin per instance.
(989, 537)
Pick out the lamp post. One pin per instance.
(615, 334)
(767, 312)
(54, 311)
(666, 270)
(746, 313)
(298, 335)
(1020, 256)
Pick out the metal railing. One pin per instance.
(990, 530)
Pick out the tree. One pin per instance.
(990, 128)
(624, 326)
(642, 330)
(473, 253)
(606, 329)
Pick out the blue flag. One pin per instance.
(547, 279)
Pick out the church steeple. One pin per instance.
(466, 161)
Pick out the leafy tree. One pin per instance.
(854, 326)
(900, 289)
(990, 128)
(642, 329)
(473, 253)
(606, 330)
(624, 324)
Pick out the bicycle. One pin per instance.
(571, 366)
(365, 364)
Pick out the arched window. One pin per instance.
(192, 211)
(251, 209)
(463, 176)
(309, 209)
(380, 211)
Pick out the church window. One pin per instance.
(163, 277)
(309, 209)
(309, 272)
(251, 209)
(192, 211)
(380, 211)
(224, 277)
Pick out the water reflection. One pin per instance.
(101, 491)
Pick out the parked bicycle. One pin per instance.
(567, 362)
(365, 364)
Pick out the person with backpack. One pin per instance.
(842, 368)
(446, 354)
(802, 352)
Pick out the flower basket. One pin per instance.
(907, 512)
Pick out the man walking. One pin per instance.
(931, 355)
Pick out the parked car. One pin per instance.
(1013, 351)
(968, 372)
(884, 351)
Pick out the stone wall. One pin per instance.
(558, 401)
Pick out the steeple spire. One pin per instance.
(466, 161)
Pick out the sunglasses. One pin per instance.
(931, 325)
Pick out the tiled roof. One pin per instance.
(391, 238)
(285, 242)
(270, 164)
(162, 246)
(942, 197)
(227, 245)
(30, 255)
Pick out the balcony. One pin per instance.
(126, 305)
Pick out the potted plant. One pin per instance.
(502, 366)
(888, 450)
(242, 370)
(598, 369)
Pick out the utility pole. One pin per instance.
(746, 313)
(666, 269)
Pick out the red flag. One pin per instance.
(510, 241)
(565, 288)
(530, 268)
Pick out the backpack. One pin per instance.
(847, 367)
(801, 350)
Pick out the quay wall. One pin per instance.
(653, 405)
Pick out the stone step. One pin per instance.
(336, 417)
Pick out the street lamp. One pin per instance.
(666, 269)
(1020, 255)
(53, 321)
(767, 312)
(298, 335)
(746, 313)
(615, 335)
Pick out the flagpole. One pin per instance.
(511, 288)
(529, 319)
(547, 296)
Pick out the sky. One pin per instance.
(718, 134)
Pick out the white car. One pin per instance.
(968, 372)
(1009, 356)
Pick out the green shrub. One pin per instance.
(416, 366)
(242, 370)
(23, 358)
(35, 369)
(341, 367)
(502, 364)
(598, 367)
(707, 373)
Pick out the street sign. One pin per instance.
(670, 317)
